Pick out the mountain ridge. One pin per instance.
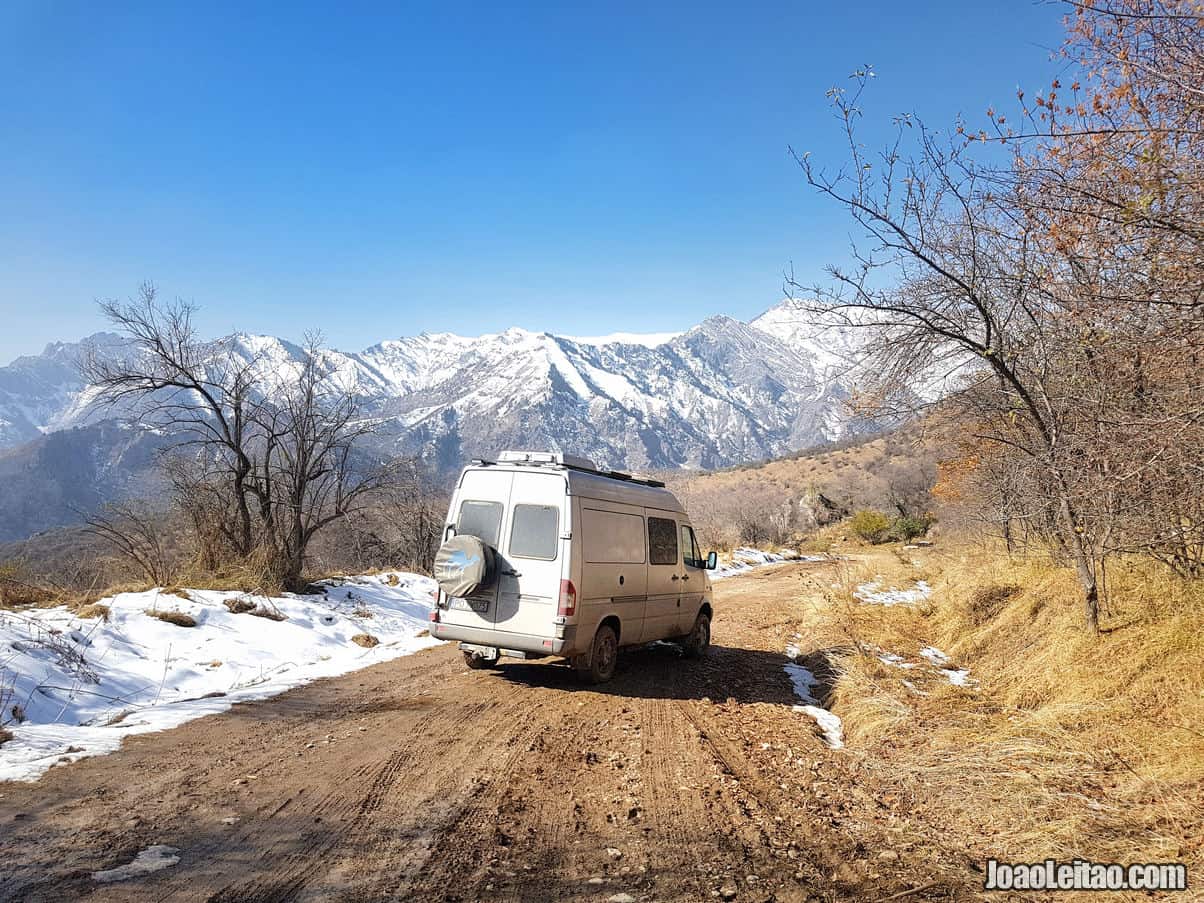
(721, 393)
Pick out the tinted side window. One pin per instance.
(662, 541)
(689, 548)
(533, 533)
(481, 519)
(611, 537)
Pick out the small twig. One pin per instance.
(909, 892)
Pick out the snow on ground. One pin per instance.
(745, 559)
(896, 661)
(874, 594)
(804, 681)
(938, 660)
(152, 859)
(79, 686)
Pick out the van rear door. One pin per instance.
(532, 562)
(481, 502)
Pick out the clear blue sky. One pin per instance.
(379, 170)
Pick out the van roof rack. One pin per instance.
(569, 462)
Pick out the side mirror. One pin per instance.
(712, 560)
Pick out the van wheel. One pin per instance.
(478, 662)
(698, 640)
(604, 655)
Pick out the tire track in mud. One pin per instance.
(456, 814)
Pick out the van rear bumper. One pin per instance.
(504, 640)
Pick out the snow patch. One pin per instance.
(804, 682)
(934, 655)
(936, 659)
(745, 559)
(829, 723)
(873, 593)
(80, 686)
(152, 859)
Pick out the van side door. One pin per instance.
(614, 568)
(664, 577)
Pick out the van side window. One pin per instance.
(612, 537)
(689, 548)
(662, 541)
(533, 531)
(481, 519)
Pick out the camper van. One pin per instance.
(544, 554)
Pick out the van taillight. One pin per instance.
(568, 599)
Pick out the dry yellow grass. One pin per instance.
(1071, 744)
(366, 640)
(178, 618)
(239, 605)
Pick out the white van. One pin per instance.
(544, 554)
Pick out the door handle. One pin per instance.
(685, 577)
(511, 572)
(675, 577)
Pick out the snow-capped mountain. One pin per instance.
(38, 393)
(721, 393)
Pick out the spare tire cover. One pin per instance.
(463, 565)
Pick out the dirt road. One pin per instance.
(421, 780)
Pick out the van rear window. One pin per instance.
(481, 519)
(534, 532)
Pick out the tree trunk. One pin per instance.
(245, 540)
(1084, 564)
(1086, 574)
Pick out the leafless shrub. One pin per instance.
(400, 526)
(138, 536)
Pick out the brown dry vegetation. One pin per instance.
(1070, 745)
(177, 618)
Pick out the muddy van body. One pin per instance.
(545, 555)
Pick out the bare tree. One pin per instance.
(264, 457)
(310, 477)
(202, 392)
(1062, 288)
(403, 524)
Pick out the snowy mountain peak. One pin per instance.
(721, 393)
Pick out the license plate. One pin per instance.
(477, 604)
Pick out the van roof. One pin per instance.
(607, 485)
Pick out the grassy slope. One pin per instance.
(1072, 745)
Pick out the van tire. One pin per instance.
(698, 640)
(603, 656)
